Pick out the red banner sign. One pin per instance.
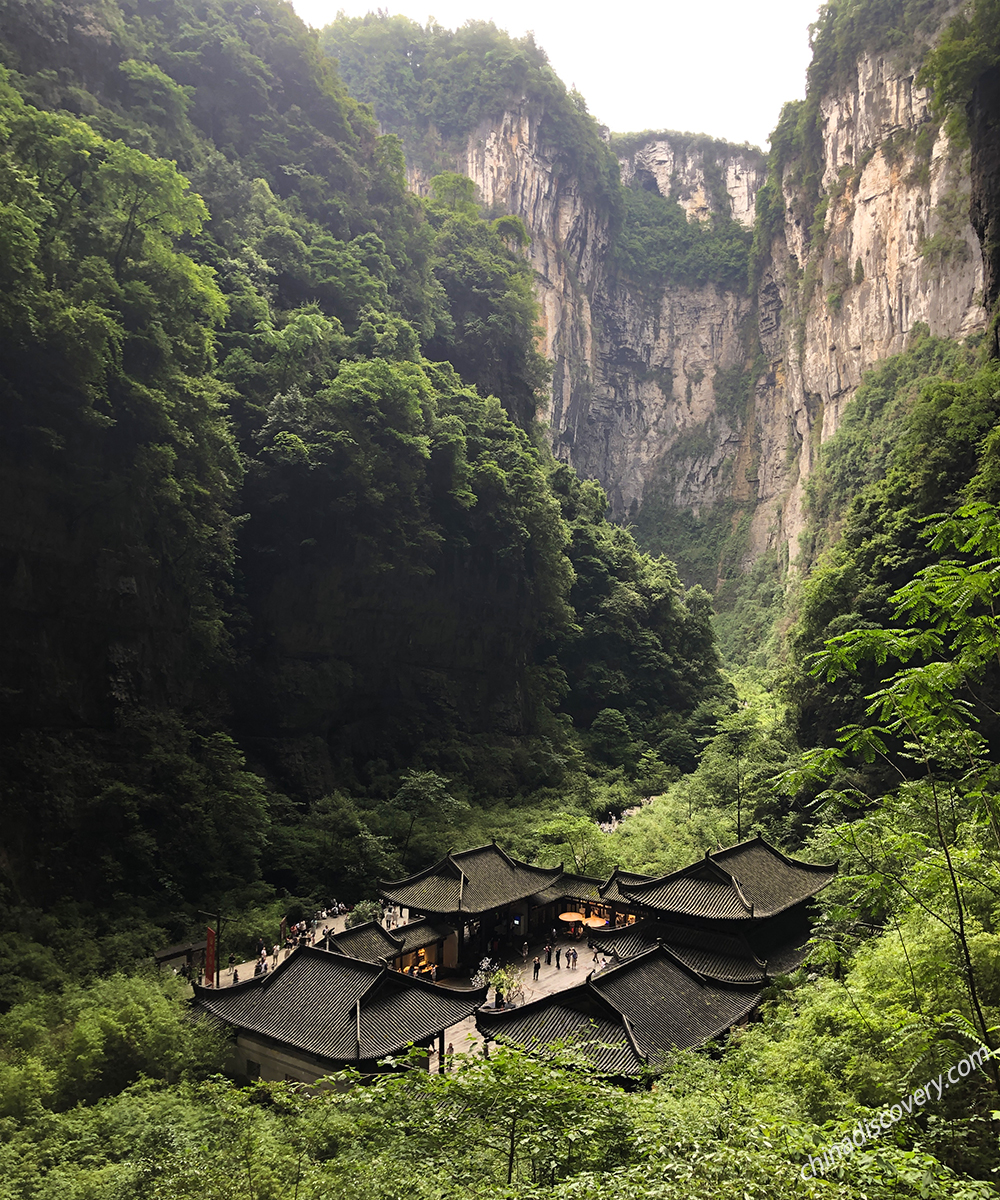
(209, 957)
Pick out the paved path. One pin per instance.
(245, 969)
(464, 1038)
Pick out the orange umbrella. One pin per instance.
(571, 917)
(595, 922)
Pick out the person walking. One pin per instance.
(548, 955)
(558, 952)
(524, 952)
(536, 967)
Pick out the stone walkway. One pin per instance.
(464, 1038)
(245, 969)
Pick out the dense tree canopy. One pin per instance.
(912, 443)
(278, 524)
(433, 86)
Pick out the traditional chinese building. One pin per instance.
(319, 1012)
(630, 1016)
(484, 894)
(737, 888)
(682, 958)
(488, 897)
(417, 946)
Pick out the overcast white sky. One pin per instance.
(722, 67)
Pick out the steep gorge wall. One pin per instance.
(632, 373)
(514, 169)
(896, 248)
(647, 393)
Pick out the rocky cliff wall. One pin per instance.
(514, 168)
(633, 373)
(703, 175)
(896, 248)
(712, 400)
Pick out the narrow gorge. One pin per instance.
(700, 407)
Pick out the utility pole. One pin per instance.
(737, 739)
(217, 917)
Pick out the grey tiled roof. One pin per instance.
(310, 1000)
(625, 942)
(470, 882)
(668, 1006)
(782, 960)
(699, 890)
(719, 956)
(640, 1010)
(578, 1015)
(422, 933)
(611, 892)
(369, 941)
(749, 880)
(770, 880)
(570, 887)
(373, 943)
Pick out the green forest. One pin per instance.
(296, 598)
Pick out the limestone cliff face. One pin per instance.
(646, 394)
(652, 413)
(896, 248)
(691, 169)
(632, 373)
(514, 168)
